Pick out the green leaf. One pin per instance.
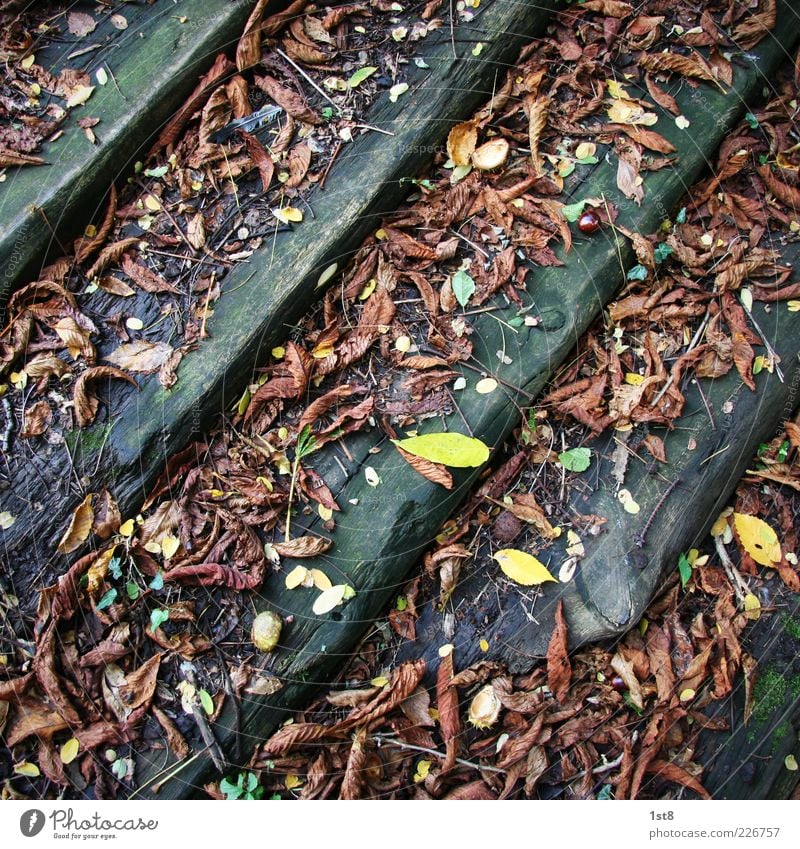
(206, 701)
(463, 287)
(752, 121)
(449, 449)
(680, 218)
(572, 211)
(231, 790)
(306, 442)
(576, 459)
(684, 570)
(662, 251)
(158, 617)
(156, 172)
(132, 588)
(119, 768)
(115, 567)
(360, 75)
(605, 793)
(252, 781)
(588, 160)
(783, 451)
(107, 600)
(638, 272)
(158, 582)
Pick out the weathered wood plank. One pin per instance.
(261, 298)
(156, 62)
(381, 531)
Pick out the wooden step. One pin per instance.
(265, 296)
(154, 63)
(380, 538)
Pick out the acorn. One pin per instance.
(484, 708)
(589, 221)
(266, 630)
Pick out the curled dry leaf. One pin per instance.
(37, 418)
(307, 546)
(80, 526)
(537, 120)
(248, 50)
(435, 472)
(85, 403)
(559, 670)
(140, 356)
(447, 705)
(461, 142)
(107, 518)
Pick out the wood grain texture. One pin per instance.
(380, 537)
(156, 62)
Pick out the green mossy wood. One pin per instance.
(155, 63)
(379, 538)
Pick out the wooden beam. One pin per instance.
(382, 530)
(154, 64)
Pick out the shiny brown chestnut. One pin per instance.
(589, 221)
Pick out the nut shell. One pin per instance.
(490, 155)
(266, 630)
(484, 708)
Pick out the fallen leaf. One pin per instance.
(306, 546)
(461, 142)
(80, 23)
(328, 599)
(80, 527)
(140, 356)
(559, 670)
(85, 403)
(69, 751)
(522, 568)
(449, 449)
(758, 539)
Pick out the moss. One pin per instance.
(88, 441)
(771, 690)
(791, 626)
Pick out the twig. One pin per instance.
(376, 129)
(692, 345)
(393, 741)
(740, 587)
(470, 243)
(309, 80)
(452, 30)
(169, 215)
(199, 714)
(335, 153)
(770, 350)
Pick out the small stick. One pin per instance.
(391, 741)
(376, 129)
(330, 163)
(770, 350)
(309, 80)
(739, 585)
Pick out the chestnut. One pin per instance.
(589, 221)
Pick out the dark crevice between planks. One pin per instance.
(378, 539)
(155, 63)
(137, 432)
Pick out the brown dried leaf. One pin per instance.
(175, 740)
(85, 246)
(115, 286)
(140, 356)
(12, 159)
(261, 159)
(298, 164)
(86, 403)
(354, 773)
(110, 253)
(292, 103)
(693, 66)
(146, 279)
(248, 50)
(37, 418)
(461, 142)
(80, 526)
(537, 120)
(304, 53)
(107, 518)
(306, 546)
(447, 705)
(435, 472)
(559, 670)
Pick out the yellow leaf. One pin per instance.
(169, 545)
(325, 513)
(793, 306)
(79, 528)
(27, 769)
(616, 90)
(486, 385)
(321, 352)
(279, 352)
(28, 61)
(292, 782)
(484, 645)
(449, 449)
(634, 379)
(80, 95)
(321, 580)
(287, 214)
(758, 539)
(380, 681)
(69, 751)
(687, 695)
(423, 768)
(368, 289)
(153, 204)
(98, 569)
(296, 577)
(328, 599)
(752, 606)
(522, 567)
(790, 762)
(126, 528)
(461, 141)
